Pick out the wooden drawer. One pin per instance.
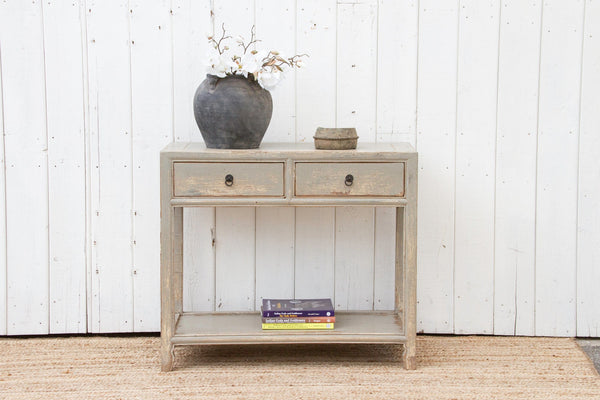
(210, 179)
(350, 179)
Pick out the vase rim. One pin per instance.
(236, 76)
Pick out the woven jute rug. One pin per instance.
(448, 368)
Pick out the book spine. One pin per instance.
(297, 314)
(300, 326)
(298, 320)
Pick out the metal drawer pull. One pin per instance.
(349, 180)
(229, 180)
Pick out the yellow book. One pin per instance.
(301, 325)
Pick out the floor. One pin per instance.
(449, 368)
(591, 347)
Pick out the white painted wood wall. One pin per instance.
(500, 97)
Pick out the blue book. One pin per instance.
(292, 308)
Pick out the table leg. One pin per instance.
(171, 260)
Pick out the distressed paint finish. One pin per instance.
(516, 139)
(558, 139)
(475, 172)
(199, 259)
(366, 179)
(316, 34)
(436, 138)
(66, 167)
(275, 252)
(378, 58)
(26, 162)
(2, 211)
(353, 288)
(151, 91)
(246, 179)
(354, 269)
(397, 48)
(315, 249)
(588, 218)
(111, 152)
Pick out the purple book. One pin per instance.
(291, 308)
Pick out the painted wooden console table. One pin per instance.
(293, 175)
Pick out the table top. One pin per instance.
(284, 150)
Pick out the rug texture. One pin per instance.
(448, 368)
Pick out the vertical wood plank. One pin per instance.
(316, 82)
(198, 259)
(397, 49)
(191, 24)
(235, 259)
(235, 227)
(66, 163)
(436, 130)
(275, 225)
(280, 36)
(356, 106)
(354, 258)
(518, 77)
(274, 253)
(25, 145)
(111, 164)
(316, 35)
(556, 229)
(475, 167)
(588, 229)
(152, 122)
(315, 240)
(2, 208)
(356, 103)
(397, 44)
(385, 258)
(236, 15)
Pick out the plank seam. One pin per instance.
(131, 187)
(87, 161)
(173, 136)
(294, 253)
(376, 78)
(254, 266)
(215, 243)
(496, 172)
(578, 163)
(374, 254)
(295, 95)
(214, 209)
(334, 244)
(416, 119)
(4, 244)
(454, 183)
(537, 151)
(336, 73)
(48, 255)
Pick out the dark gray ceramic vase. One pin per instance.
(232, 112)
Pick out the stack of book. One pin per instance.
(297, 314)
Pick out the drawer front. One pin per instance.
(350, 179)
(227, 179)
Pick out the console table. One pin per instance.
(294, 175)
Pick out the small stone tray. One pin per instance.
(335, 138)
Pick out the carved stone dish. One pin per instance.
(335, 138)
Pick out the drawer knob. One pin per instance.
(229, 180)
(349, 180)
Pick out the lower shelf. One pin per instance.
(245, 328)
